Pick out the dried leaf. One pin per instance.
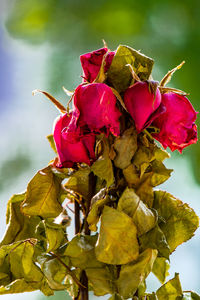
(117, 231)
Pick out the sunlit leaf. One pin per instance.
(117, 243)
(119, 75)
(145, 191)
(81, 252)
(160, 173)
(115, 297)
(170, 290)
(19, 286)
(52, 142)
(70, 284)
(133, 274)
(20, 227)
(180, 220)
(42, 195)
(125, 147)
(160, 269)
(54, 236)
(97, 204)
(54, 271)
(101, 280)
(131, 204)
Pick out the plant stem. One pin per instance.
(83, 292)
(77, 217)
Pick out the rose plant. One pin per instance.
(107, 165)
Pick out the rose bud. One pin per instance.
(95, 104)
(73, 144)
(142, 103)
(177, 128)
(91, 63)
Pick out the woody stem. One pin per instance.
(83, 291)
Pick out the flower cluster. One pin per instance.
(96, 110)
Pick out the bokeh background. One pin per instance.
(40, 44)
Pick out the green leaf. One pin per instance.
(119, 75)
(180, 220)
(102, 167)
(52, 142)
(78, 182)
(155, 239)
(160, 269)
(20, 227)
(133, 274)
(117, 231)
(170, 290)
(125, 147)
(97, 204)
(131, 204)
(101, 280)
(81, 252)
(42, 195)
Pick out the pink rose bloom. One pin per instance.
(177, 128)
(95, 106)
(91, 63)
(142, 104)
(73, 144)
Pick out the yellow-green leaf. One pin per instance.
(97, 204)
(42, 195)
(180, 220)
(133, 274)
(81, 252)
(20, 227)
(159, 173)
(117, 243)
(131, 175)
(160, 269)
(54, 271)
(155, 239)
(170, 290)
(52, 142)
(115, 297)
(101, 280)
(102, 167)
(131, 204)
(119, 75)
(21, 262)
(125, 147)
(78, 182)
(19, 286)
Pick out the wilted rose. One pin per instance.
(95, 106)
(177, 128)
(73, 144)
(91, 63)
(143, 104)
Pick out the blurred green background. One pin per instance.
(40, 44)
